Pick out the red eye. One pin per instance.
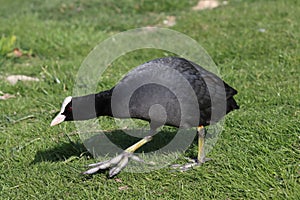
(70, 109)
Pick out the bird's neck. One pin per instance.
(92, 105)
(103, 103)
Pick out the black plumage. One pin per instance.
(213, 95)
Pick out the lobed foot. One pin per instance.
(190, 165)
(115, 164)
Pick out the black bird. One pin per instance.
(190, 96)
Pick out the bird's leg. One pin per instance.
(201, 152)
(137, 145)
(201, 140)
(119, 162)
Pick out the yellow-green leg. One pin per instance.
(201, 152)
(137, 145)
(201, 140)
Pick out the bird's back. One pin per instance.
(173, 91)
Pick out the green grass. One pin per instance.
(257, 155)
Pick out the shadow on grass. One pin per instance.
(119, 138)
(60, 152)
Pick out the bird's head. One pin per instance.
(65, 113)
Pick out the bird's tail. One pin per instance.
(231, 104)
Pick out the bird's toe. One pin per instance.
(115, 164)
(185, 167)
(204, 160)
(192, 163)
(119, 166)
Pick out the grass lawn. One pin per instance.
(256, 45)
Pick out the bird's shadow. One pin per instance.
(120, 139)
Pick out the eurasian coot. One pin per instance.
(189, 95)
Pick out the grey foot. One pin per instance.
(115, 164)
(190, 165)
